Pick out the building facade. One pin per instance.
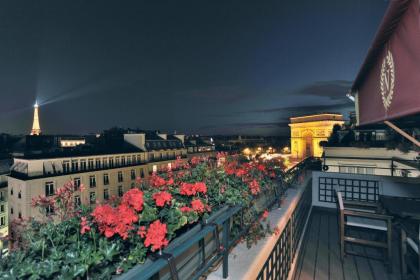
(103, 174)
(307, 132)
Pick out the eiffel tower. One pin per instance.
(36, 129)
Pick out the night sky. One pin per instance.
(209, 67)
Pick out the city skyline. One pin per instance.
(195, 68)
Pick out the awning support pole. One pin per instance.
(403, 133)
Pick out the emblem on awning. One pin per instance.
(387, 80)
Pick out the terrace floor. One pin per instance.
(320, 254)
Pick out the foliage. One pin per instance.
(113, 237)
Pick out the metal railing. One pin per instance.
(192, 254)
(279, 262)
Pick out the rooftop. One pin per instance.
(317, 117)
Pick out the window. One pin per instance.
(105, 162)
(74, 165)
(49, 210)
(77, 201)
(76, 184)
(123, 161)
(117, 161)
(111, 162)
(128, 160)
(2, 221)
(120, 191)
(20, 215)
(98, 163)
(1, 196)
(92, 181)
(370, 170)
(350, 169)
(49, 189)
(90, 163)
(151, 156)
(66, 166)
(106, 179)
(11, 191)
(138, 159)
(106, 194)
(142, 173)
(342, 169)
(360, 170)
(133, 159)
(120, 176)
(11, 210)
(19, 194)
(83, 165)
(133, 174)
(92, 197)
(2, 208)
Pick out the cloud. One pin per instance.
(334, 90)
(309, 109)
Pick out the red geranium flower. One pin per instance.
(156, 236)
(185, 209)
(195, 160)
(240, 172)
(142, 231)
(162, 198)
(156, 181)
(187, 189)
(265, 214)
(254, 186)
(197, 205)
(134, 198)
(170, 181)
(84, 227)
(200, 187)
(261, 167)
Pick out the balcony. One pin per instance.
(320, 254)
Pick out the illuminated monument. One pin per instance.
(36, 129)
(307, 131)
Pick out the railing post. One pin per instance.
(226, 225)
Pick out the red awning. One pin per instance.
(388, 84)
